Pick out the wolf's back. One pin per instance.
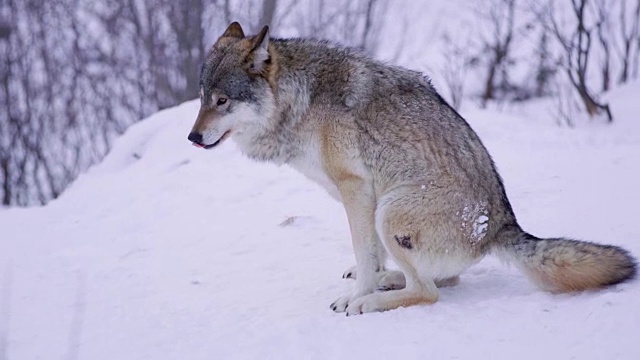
(564, 265)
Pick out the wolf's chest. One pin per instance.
(310, 164)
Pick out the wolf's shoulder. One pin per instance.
(318, 48)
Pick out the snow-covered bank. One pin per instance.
(165, 251)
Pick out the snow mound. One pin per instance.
(165, 251)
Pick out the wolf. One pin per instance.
(415, 180)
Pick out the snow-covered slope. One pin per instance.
(165, 251)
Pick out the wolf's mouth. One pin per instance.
(222, 138)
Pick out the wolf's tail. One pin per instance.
(564, 265)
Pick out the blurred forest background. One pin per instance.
(76, 73)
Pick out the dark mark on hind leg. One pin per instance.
(404, 241)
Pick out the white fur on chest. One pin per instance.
(310, 164)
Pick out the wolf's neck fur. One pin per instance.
(281, 136)
(277, 138)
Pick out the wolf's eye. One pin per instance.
(221, 101)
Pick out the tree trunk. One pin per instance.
(268, 11)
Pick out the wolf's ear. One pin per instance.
(259, 55)
(234, 30)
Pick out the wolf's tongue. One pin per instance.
(197, 145)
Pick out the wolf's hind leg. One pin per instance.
(416, 292)
(419, 288)
(395, 280)
(447, 282)
(400, 229)
(392, 280)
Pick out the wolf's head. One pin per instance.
(235, 90)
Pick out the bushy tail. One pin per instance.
(563, 265)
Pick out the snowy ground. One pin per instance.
(165, 251)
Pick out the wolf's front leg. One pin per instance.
(359, 202)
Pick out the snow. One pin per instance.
(475, 218)
(480, 226)
(165, 251)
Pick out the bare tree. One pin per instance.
(603, 28)
(356, 23)
(69, 92)
(455, 68)
(630, 36)
(268, 11)
(501, 16)
(185, 19)
(545, 67)
(577, 46)
(369, 33)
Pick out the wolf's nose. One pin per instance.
(195, 138)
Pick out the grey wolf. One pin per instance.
(415, 180)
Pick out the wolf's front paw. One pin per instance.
(363, 304)
(350, 273)
(343, 302)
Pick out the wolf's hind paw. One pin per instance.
(387, 279)
(391, 280)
